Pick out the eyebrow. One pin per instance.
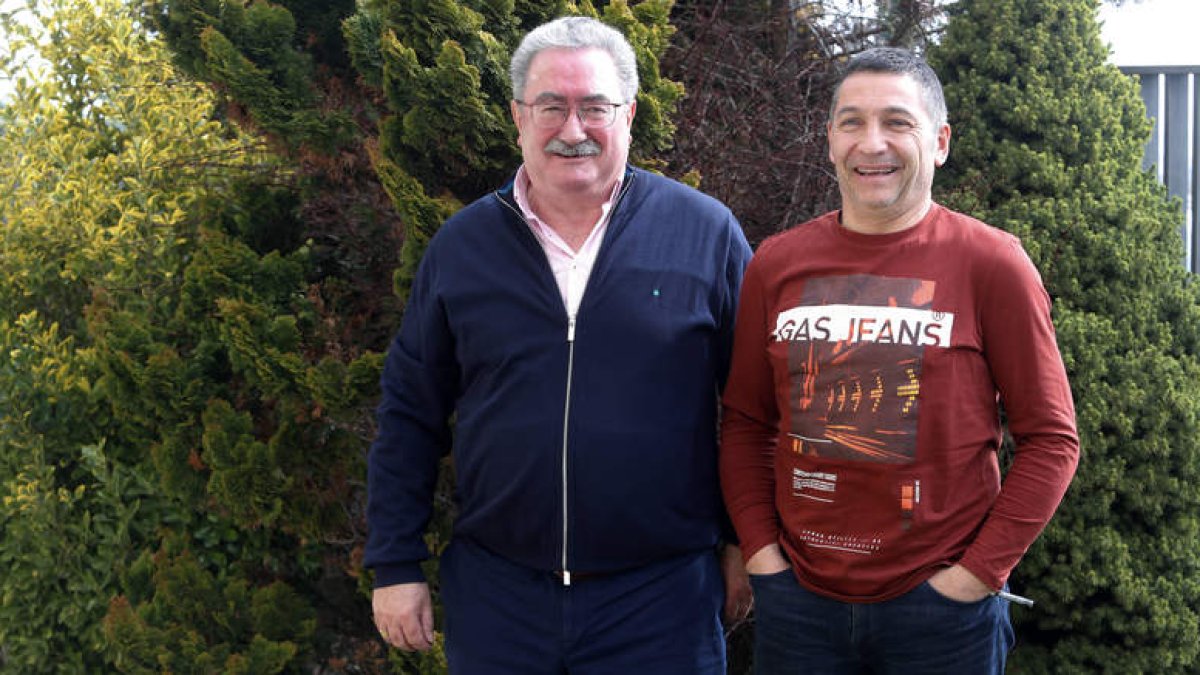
(554, 97)
(889, 110)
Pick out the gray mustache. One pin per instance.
(587, 148)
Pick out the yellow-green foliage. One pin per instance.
(159, 379)
(108, 157)
(59, 550)
(257, 629)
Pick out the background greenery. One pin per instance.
(211, 210)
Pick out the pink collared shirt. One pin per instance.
(571, 268)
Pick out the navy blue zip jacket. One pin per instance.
(585, 446)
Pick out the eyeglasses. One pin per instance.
(591, 115)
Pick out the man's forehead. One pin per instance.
(878, 77)
(890, 92)
(888, 109)
(591, 68)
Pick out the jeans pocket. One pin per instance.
(932, 633)
(781, 574)
(761, 584)
(927, 588)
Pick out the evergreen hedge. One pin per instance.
(1048, 143)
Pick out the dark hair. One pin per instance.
(900, 62)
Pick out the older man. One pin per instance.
(861, 426)
(577, 325)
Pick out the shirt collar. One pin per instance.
(521, 196)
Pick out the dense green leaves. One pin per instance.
(1048, 142)
(191, 622)
(249, 48)
(166, 387)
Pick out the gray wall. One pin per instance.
(1170, 94)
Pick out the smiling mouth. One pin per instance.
(884, 171)
(580, 154)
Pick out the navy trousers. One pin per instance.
(660, 619)
(919, 633)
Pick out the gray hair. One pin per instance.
(576, 32)
(900, 62)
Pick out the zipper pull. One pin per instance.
(570, 330)
(566, 578)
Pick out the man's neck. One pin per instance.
(572, 216)
(883, 222)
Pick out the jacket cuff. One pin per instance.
(401, 573)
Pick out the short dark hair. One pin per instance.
(900, 62)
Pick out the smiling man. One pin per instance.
(577, 326)
(873, 348)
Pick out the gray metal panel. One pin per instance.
(1154, 70)
(1150, 98)
(1175, 143)
(1175, 146)
(1193, 213)
(1167, 149)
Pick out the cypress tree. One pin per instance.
(1047, 144)
(125, 421)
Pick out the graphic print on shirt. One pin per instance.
(855, 346)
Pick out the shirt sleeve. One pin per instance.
(750, 423)
(419, 384)
(737, 257)
(1023, 358)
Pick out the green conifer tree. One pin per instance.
(1047, 144)
(178, 439)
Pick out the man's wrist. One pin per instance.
(398, 573)
(767, 560)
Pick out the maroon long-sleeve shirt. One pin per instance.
(861, 420)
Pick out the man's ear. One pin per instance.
(632, 112)
(515, 110)
(942, 150)
(828, 135)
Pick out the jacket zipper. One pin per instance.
(566, 572)
(571, 319)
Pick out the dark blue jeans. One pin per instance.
(503, 618)
(919, 633)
